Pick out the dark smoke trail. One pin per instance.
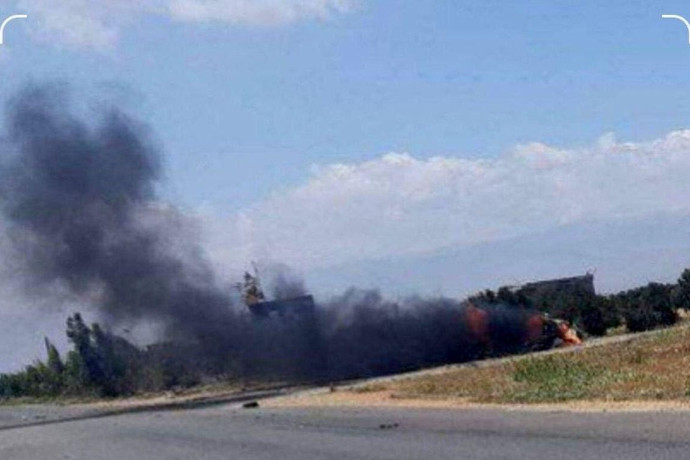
(76, 195)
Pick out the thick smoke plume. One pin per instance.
(79, 199)
(77, 196)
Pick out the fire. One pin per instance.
(478, 323)
(568, 335)
(538, 329)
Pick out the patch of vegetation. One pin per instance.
(651, 306)
(641, 309)
(100, 364)
(650, 368)
(556, 378)
(371, 388)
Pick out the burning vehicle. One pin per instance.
(552, 333)
(529, 317)
(495, 330)
(531, 331)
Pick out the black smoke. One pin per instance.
(282, 282)
(79, 197)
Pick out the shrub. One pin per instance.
(648, 307)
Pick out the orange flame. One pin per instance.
(478, 323)
(568, 335)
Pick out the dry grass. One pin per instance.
(652, 368)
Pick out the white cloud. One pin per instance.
(256, 12)
(398, 204)
(91, 24)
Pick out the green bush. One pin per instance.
(598, 314)
(648, 307)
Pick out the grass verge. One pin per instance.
(651, 368)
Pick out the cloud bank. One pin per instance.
(399, 205)
(91, 24)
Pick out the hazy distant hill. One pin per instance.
(624, 254)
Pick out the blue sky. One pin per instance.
(244, 109)
(279, 117)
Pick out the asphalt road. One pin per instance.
(228, 432)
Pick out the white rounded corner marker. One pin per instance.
(681, 19)
(7, 21)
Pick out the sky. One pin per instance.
(339, 135)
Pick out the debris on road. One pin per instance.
(388, 426)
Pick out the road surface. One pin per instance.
(230, 432)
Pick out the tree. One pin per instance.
(94, 363)
(598, 314)
(682, 292)
(507, 296)
(55, 363)
(648, 307)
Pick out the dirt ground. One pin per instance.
(389, 399)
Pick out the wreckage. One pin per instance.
(254, 298)
(550, 332)
(553, 333)
(537, 331)
(534, 310)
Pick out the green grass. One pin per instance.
(648, 368)
(557, 378)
